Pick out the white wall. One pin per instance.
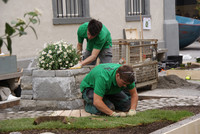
(109, 12)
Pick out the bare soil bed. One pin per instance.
(141, 129)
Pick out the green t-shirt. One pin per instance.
(101, 41)
(102, 80)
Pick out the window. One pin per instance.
(136, 7)
(70, 11)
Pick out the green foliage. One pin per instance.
(58, 56)
(5, 1)
(198, 60)
(198, 6)
(18, 28)
(145, 117)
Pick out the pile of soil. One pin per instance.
(141, 129)
(173, 81)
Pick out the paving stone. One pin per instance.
(57, 113)
(84, 113)
(75, 113)
(66, 113)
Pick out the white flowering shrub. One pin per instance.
(58, 56)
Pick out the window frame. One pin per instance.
(71, 20)
(137, 17)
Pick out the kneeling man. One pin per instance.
(103, 90)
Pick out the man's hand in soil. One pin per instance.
(121, 114)
(131, 112)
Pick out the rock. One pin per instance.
(4, 93)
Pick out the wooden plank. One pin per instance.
(84, 113)
(11, 75)
(75, 113)
(10, 103)
(66, 113)
(194, 74)
(57, 113)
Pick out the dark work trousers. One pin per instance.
(105, 56)
(119, 101)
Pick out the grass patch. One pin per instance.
(144, 117)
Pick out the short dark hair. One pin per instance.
(94, 27)
(126, 73)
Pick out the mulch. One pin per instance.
(141, 129)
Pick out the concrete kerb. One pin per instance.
(176, 127)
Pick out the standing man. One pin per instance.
(102, 90)
(99, 43)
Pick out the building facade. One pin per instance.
(61, 18)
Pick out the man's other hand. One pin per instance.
(77, 66)
(131, 112)
(121, 114)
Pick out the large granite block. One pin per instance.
(53, 88)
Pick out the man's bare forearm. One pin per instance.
(100, 105)
(134, 99)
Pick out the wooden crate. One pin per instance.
(134, 51)
(146, 74)
(141, 54)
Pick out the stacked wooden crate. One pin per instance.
(141, 54)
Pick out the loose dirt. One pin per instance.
(173, 81)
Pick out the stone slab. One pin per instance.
(27, 92)
(63, 73)
(46, 104)
(27, 103)
(27, 72)
(27, 97)
(44, 73)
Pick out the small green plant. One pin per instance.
(58, 55)
(198, 60)
(182, 65)
(18, 28)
